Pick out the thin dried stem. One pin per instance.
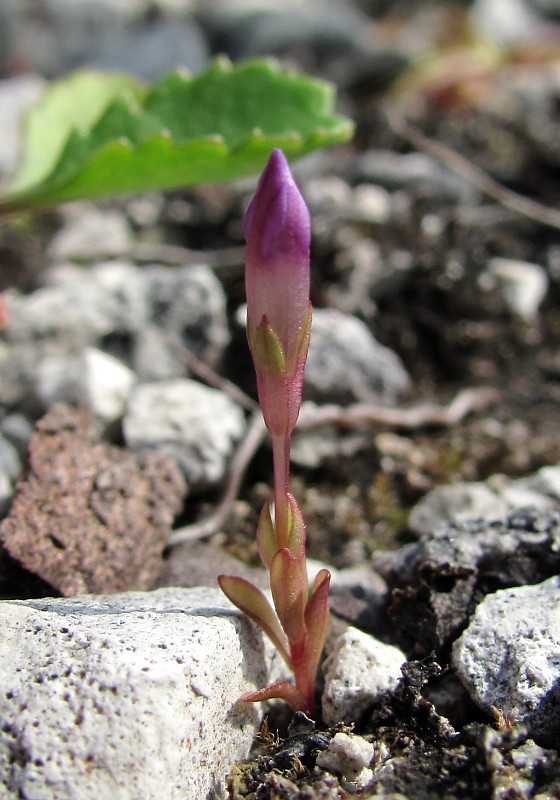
(209, 375)
(177, 256)
(256, 432)
(525, 206)
(419, 416)
(359, 415)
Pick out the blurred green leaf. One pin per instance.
(94, 134)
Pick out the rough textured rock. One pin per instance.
(492, 499)
(437, 582)
(125, 696)
(357, 672)
(350, 757)
(196, 425)
(455, 502)
(346, 364)
(79, 307)
(509, 656)
(88, 516)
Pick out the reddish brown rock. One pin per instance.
(88, 516)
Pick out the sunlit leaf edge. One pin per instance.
(119, 167)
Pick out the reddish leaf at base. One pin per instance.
(280, 690)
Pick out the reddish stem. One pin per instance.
(281, 461)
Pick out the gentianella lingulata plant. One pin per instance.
(277, 278)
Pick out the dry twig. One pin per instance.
(177, 256)
(462, 166)
(249, 445)
(420, 416)
(209, 375)
(358, 415)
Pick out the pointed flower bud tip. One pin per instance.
(278, 233)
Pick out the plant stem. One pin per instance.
(281, 463)
(306, 685)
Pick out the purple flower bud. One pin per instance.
(277, 277)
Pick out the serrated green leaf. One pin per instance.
(95, 134)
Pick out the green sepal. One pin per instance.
(267, 352)
(253, 603)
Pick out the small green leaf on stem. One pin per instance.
(288, 584)
(253, 603)
(316, 619)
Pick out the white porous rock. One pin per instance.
(509, 656)
(132, 696)
(349, 756)
(91, 377)
(196, 425)
(357, 671)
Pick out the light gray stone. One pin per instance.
(130, 696)
(91, 233)
(10, 467)
(17, 429)
(346, 364)
(453, 503)
(6, 492)
(91, 377)
(186, 307)
(153, 47)
(80, 306)
(334, 197)
(357, 671)
(492, 499)
(509, 656)
(10, 462)
(411, 171)
(196, 425)
(523, 285)
(349, 756)
(506, 22)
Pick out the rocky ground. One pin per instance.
(426, 459)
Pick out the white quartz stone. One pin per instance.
(509, 656)
(196, 425)
(357, 671)
(92, 377)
